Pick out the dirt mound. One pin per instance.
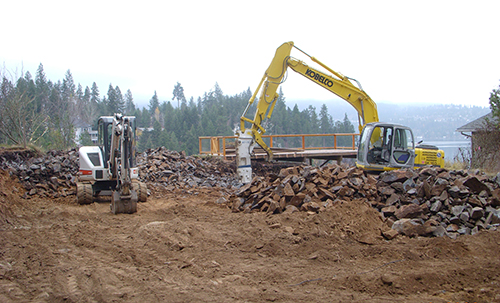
(186, 244)
(427, 202)
(10, 192)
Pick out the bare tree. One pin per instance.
(20, 121)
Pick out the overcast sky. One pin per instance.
(401, 51)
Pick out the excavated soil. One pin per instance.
(187, 246)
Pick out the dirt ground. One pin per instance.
(186, 246)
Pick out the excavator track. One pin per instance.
(84, 193)
(142, 191)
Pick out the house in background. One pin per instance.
(82, 127)
(474, 130)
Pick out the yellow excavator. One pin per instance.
(382, 146)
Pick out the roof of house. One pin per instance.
(477, 124)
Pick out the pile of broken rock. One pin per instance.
(54, 174)
(163, 167)
(427, 202)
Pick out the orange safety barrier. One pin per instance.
(218, 145)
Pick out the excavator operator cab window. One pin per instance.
(403, 145)
(380, 145)
(104, 140)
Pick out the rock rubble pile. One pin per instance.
(171, 168)
(52, 174)
(425, 202)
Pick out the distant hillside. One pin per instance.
(428, 122)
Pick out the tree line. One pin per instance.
(37, 111)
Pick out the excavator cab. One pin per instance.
(385, 146)
(105, 129)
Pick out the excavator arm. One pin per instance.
(341, 86)
(268, 86)
(124, 198)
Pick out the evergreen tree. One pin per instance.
(193, 112)
(495, 103)
(42, 88)
(115, 103)
(80, 102)
(102, 107)
(119, 100)
(144, 142)
(172, 142)
(168, 116)
(89, 112)
(325, 126)
(178, 94)
(129, 103)
(138, 118)
(145, 117)
(344, 127)
(149, 143)
(190, 144)
(95, 107)
(154, 103)
(79, 92)
(68, 87)
(218, 94)
(155, 134)
(85, 139)
(94, 94)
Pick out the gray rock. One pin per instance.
(464, 216)
(454, 191)
(436, 206)
(439, 231)
(476, 213)
(493, 218)
(412, 191)
(408, 211)
(455, 220)
(464, 231)
(457, 210)
(475, 185)
(496, 179)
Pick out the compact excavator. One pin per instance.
(110, 168)
(382, 146)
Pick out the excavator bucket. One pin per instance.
(124, 204)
